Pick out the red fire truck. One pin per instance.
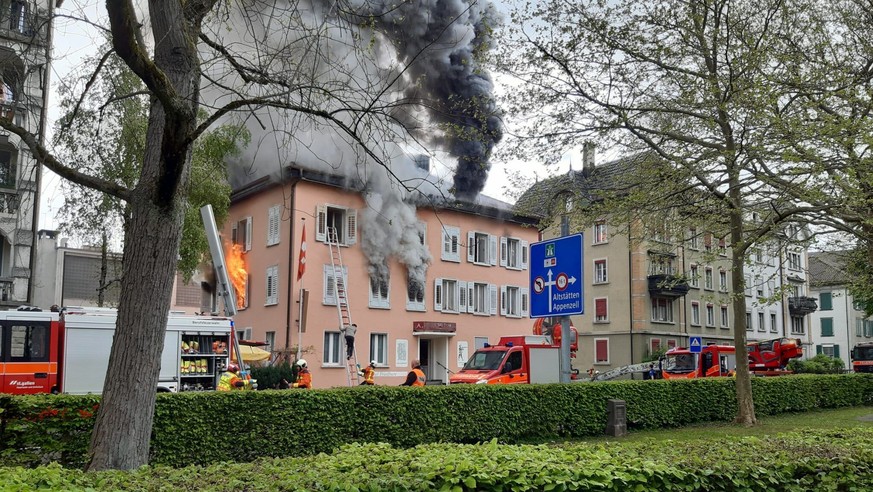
(46, 352)
(862, 357)
(766, 358)
(518, 359)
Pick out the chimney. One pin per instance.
(588, 157)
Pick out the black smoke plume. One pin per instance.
(438, 41)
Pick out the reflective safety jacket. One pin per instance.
(369, 375)
(228, 381)
(419, 377)
(304, 379)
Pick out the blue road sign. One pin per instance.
(556, 277)
(695, 345)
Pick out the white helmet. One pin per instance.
(373, 363)
(301, 362)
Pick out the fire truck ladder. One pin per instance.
(342, 303)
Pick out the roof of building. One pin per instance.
(482, 205)
(828, 268)
(585, 184)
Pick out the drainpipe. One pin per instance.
(630, 291)
(848, 333)
(289, 295)
(46, 80)
(782, 302)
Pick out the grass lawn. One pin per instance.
(767, 425)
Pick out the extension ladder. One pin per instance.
(342, 304)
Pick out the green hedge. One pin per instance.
(807, 461)
(205, 427)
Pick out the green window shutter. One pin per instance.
(827, 327)
(817, 349)
(836, 351)
(825, 301)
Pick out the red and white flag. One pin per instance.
(301, 263)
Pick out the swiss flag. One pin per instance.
(301, 263)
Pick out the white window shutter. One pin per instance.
(471, 246)
(462, 292)
(321, 223)
(493, 298)
(329, 295)
(446, 252)
(352, 226)
(248, 234)
(492, 249)
(503, 300)
(234, 233)
(457, 296)
(438, 294)
(471, 293)
(524, 299)
(523, 263)
(503, 251)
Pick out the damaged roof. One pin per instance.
(482, 205)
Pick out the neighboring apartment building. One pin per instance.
(469, 288)
(645, 290)
(25, 28)
(71, 277)
(777, 291)
(838, 325)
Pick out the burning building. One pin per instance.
(431, 282)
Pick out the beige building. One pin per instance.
(644, 291)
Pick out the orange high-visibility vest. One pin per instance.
(304, 379)
(419, 377)
(369, 375)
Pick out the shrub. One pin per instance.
(270, 377)
(807, 461)
(820, 364)
(208, 427)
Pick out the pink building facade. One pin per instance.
(475, 288)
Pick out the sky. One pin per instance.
(75, 40)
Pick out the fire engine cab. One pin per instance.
(68, 352)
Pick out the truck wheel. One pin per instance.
(163, 390)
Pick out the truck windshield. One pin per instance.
(864, 353)
(680, 363)
(485, 361)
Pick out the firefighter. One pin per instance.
(416, 375)
(230, 380)
(304, 377)
(369, 374)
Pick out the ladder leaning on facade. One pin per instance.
(342, 303)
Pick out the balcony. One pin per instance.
(663, 285)
(801, 306)
(8, 202)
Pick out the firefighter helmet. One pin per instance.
(301, 362)
(372, 363)
(232, 367)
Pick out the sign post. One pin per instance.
(556, 286)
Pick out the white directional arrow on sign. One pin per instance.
(572, 280)
(550, 283)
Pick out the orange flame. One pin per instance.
(236, 270)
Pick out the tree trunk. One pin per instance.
(104, 251)
(745, 402)
(123, 427)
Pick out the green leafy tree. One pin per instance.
(685, 87)
(110, 141)
(252, 59)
